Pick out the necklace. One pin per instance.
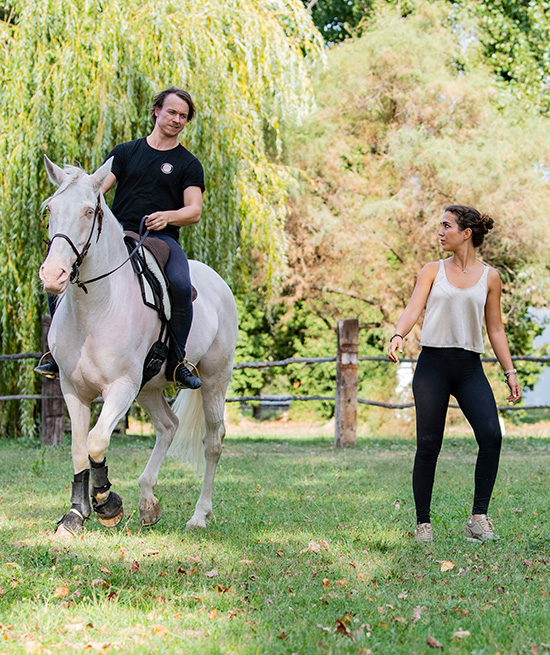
(464, 270)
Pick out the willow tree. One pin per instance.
(78, 76)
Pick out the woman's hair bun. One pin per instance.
(488, 223)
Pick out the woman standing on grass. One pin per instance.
(457, 292)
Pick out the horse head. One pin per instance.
(75, 214)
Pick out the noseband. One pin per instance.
(98, 218)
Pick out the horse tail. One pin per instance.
(187, 445)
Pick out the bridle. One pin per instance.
(75, 272)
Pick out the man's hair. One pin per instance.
(158, 101)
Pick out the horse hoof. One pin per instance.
(69, 525)
(109, 512)
(195, 524)
(151, 520)
(112, 521)
(61, 532)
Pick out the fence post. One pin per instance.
(345, 411)
(53, 409)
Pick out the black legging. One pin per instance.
(440, 373)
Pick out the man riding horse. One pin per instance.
(158, 178)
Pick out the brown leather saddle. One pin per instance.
(160, 251)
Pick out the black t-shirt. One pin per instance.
(150, 180)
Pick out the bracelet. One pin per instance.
(512, 371)
(396, 335)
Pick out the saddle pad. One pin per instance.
(154, 267)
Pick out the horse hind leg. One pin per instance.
(165, 423)
(213, 402)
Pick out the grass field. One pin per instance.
(311, 551)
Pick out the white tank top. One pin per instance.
(454, 317)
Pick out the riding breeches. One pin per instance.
(440, 373)
(177, 272)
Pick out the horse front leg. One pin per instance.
(106, 503)
(71, 523)
(165, 423)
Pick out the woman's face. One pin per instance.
(450, 235)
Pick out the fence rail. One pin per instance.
(345, 398)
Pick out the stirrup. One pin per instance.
(49, 369)
(194, 380)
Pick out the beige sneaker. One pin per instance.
(480, 529)
(423, 533)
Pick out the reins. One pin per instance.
(75, 272)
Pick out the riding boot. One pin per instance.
(49, 369)
(177, 371)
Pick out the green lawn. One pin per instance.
(254, 582)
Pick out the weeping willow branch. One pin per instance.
(78, 76)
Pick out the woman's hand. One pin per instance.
(396, 343)
(513, 384)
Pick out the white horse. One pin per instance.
(100, 337)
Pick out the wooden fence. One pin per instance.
(346, 389)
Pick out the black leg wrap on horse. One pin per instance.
(80, 497)
(100, 479)
(110, 507)
(72, 521)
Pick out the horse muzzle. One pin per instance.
(55, 278)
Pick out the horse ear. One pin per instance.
(56, 174)
(99, 176)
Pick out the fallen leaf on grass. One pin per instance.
(212, 614)
(416, 614)
(189, 571)
(342, 582)
(528, 562)
(447, 565)
(151, 552)
(99, 646)
(61, 592)
(211, 574)
(222, 589)
(105, 571)
(134, 567)
(534, 650)
(460, 634)
(99, 582)
(33, 646)
(282, 635)
(160, 630)
(433, 643)
(315, 547)
(326, 582)
(279, 553)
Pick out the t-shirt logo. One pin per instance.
(167, 168)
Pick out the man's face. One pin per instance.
(172, 116)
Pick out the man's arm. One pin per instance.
(109, 183)
(189, 214)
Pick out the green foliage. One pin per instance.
(338, 19)
(78, 77)
(515, 35)
(409, 120)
